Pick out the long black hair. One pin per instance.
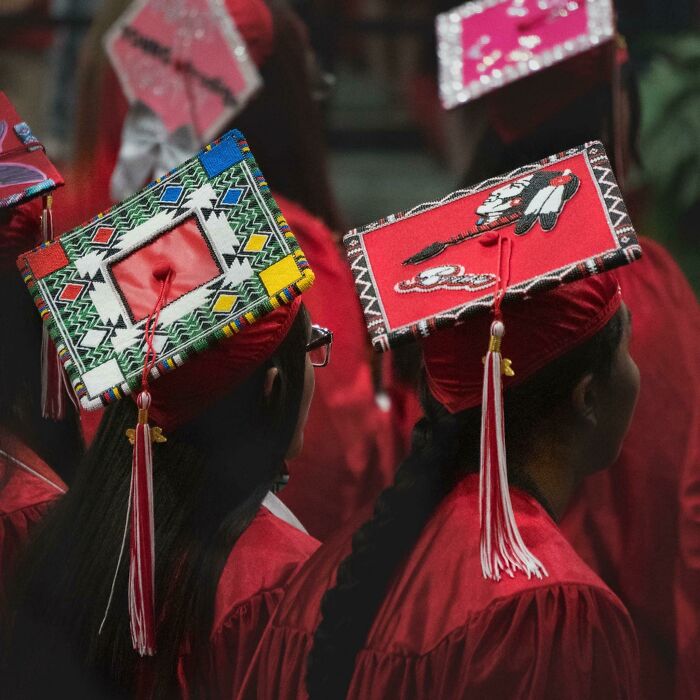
(284, 122)
(58, 443)
(210, 478)
(445, 447)
(588, 118)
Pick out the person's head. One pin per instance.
(575, 384)
(227, 439)
(572, 397)
(598, 100)
(284, 123)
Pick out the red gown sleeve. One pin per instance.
(233, 647)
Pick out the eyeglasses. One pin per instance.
(319, 346)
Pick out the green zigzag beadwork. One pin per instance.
(249, 211)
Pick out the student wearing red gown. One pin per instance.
(635, 524)
(354, 440)
(400, 608)
(225, 545)
(28, 442)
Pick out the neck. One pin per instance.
(555, 480)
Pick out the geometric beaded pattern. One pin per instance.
(260, 263)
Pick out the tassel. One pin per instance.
(142, 546)
(53, 404)
(142, 543)
(502, 547)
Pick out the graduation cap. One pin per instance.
(487, 44)
(25, 170)
(510, 261)
(152, 285)
(187, 68)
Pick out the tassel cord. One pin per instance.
(502, 549)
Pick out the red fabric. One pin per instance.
(350, 443)
(638, 523)
(262, 561)
(20, 230)
(255, 24)
(443, 631)
(183, 251)
(538, 330)
(179, 396)
(25, 497)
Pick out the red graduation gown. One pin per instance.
(638, 523)
(28, 488)
(443, 631)
(260, 564)
(350, 443)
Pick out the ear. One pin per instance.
(584, 400)
(271, 376)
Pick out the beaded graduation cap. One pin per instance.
(486, 44)
(427, 268)
(192, 259)
(187, 70)
(25, 170)
(454, 262)
(94, 287)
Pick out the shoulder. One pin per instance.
(442, 584)
(440, 589)
(263, 560)
(25, 480)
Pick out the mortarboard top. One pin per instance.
(25, 170)
(487, 44)
(211, 221)
(432, 267)
(185, 60)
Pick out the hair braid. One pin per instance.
(378, 546)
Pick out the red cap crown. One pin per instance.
(538, 330)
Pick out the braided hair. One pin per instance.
(444, 448)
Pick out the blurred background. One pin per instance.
(391, 145)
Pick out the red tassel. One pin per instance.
(53, 404)
(142, 569)
(502, 547)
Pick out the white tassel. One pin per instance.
(502, 547)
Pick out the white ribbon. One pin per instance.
(148, 150)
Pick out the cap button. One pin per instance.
(161, 271)
(489, 238)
